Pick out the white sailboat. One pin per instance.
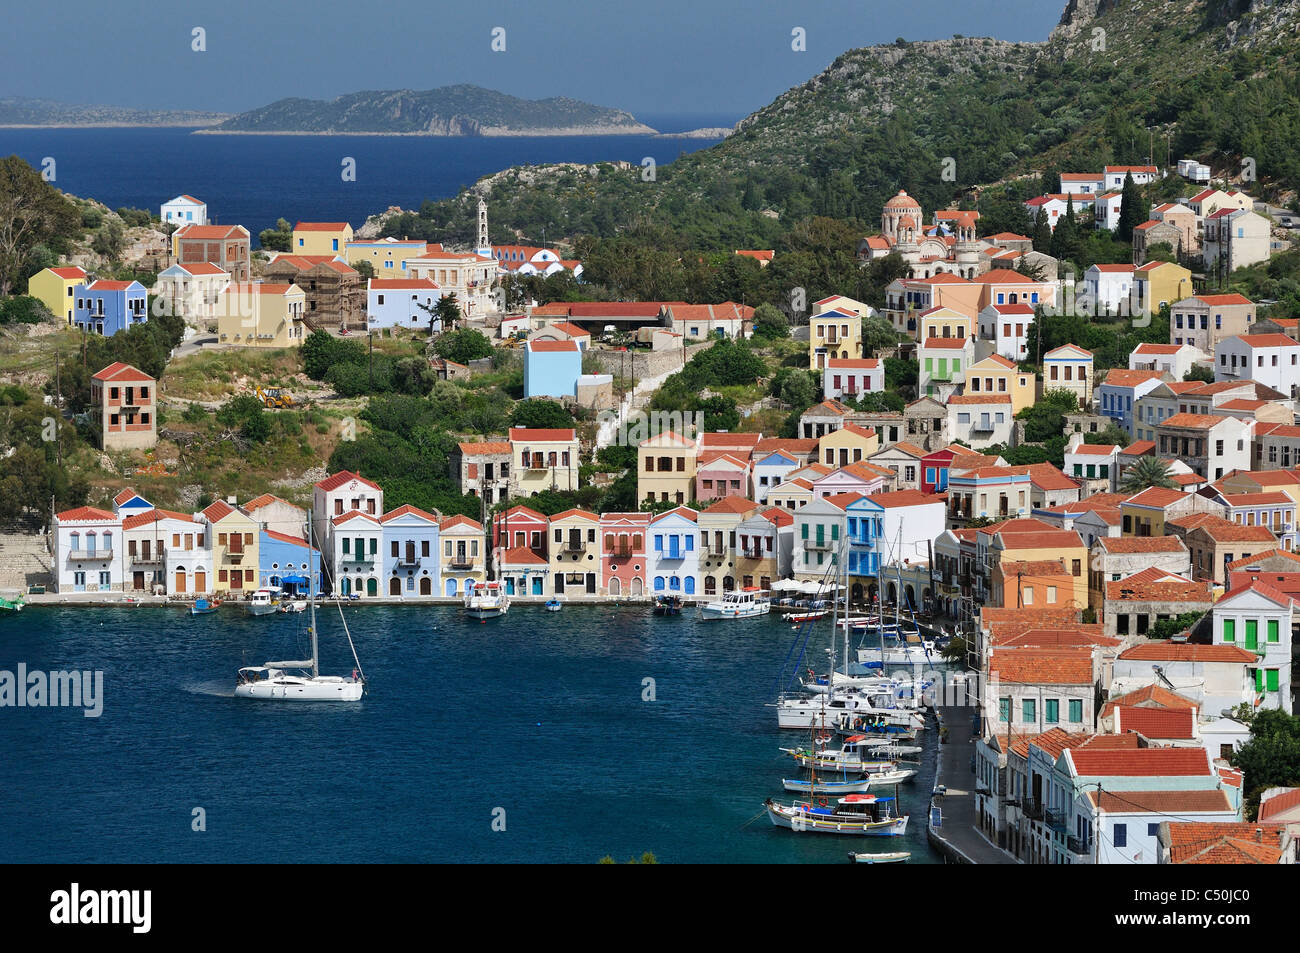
(301, 680)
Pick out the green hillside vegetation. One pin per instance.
(883, 118)
(462, 110)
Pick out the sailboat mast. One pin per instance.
(311, 599)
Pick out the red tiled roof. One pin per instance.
(118, 371)
(408, 510)
(1142, 544)
(320, 226)
(1161, 802)
(344, 476)
(484, 448)
(544, 435)
(547, 346)
(1224, 843)
(1139, 762)
(84, 514)
(1157, 722)
(1186, 652)
(451, 522)
(1279, 803)
(522, 555)
(1148, 696)
(1041, 666)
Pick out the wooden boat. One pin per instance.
(668, 605)
(864, 815)
(553, 605)
(890, 857)
(811, 786)
(204, 606)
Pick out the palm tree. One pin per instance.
(1147, 472)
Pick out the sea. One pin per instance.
(538, 737)
(255, 180)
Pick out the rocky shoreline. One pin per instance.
(497, 132)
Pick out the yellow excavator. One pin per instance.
(274, 397)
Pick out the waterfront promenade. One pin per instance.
(958, 837)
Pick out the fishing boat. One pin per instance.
(858, 756)
(800, 617)
(738, 604)
(811, 786)
(887, 857)
(831, 709)
(204, 606)
(553, 605)
(864, 815)
(668, 605)
(486, 600)
(301, 680)
(12, 605)
(261, 602)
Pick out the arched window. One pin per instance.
(674, 583)
(690, 585)
(659, 583)
(710, 585)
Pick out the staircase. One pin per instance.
(24, 561)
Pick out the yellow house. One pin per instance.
(463, 556)
(849, 444)
(53, 287)
(1030, 541)
(1162, 282)
(718, 555)
(545, 459)
(997, 375)
(1262, 481)
(234, 536)
(665, 468)
(387, 256)
(262, 314)
(833, 333)
(841, 303)
(575, 553)
(946, 323)
(321, 238)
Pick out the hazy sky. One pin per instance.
(646, 56)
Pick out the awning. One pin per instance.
(294, 580)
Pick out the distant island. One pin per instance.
(19, 112)
(462, 110)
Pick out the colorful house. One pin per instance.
(226, 246)
(387, 256)
(575, 553)
(354, 556)
(997, 375)
(764, 544)
(666, 466)
(833, 334)
(288, 563)
(321, 238)
(184, 210)
(674, 557)
(106, 307)
(551, 368)
(849, 444)
(718, 530)
(235, 540)
(547, 459)
(463, 554)
(623, 556)
(56, 289)
(262, 314)
(720, 474)
(411, 560)
(124, 398)
(87, 550)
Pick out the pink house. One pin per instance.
(622, 553)
(721, 473)
(861, 478)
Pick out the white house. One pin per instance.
(401, 303)
(192, 290)
(184, 210)
(1174, 359)
(167, 549)
(1089, 183)
(1056, 204)
(1269, 359)
(1129, 821)
(87, 550)
(1107, 289)
(910, 521)
(1258, 618)
(849, 377)
(355, 560)
(1087, 462)
(980, 420)
(1142, 174)
(819, 531)
(1235, 238)
(337, 495)
(674, 557)
(1216, 677)
(1106, 210)
(1007, 326)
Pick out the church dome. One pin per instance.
(902, 201)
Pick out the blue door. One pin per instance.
(674, 547)
(537, 585)
(510, 585)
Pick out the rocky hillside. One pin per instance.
(448, 111)
(1117, 81)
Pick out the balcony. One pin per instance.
(751, 552)
(818, 545)
(356, 563)
(408, 561)
(1032, 808)
(981, 426)
(621, 552)
(86, 555)
(574, 546)
(460, 561)
(1056, 820)
(151, 558)
(1081, 849)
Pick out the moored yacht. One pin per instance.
(737, 604)
(486, 600)
(261, 602)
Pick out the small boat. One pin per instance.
(865, 815)
(738, 604)
(292, 605)
(262, 602)
(889, 857)
(801, 617)
(204, 606)
(12, 605)
(847, 786)
(668, 605)
(553, 605)
(486, 600)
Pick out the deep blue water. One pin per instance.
(538, 713)
(253, 180)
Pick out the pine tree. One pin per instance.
(1130, 209)
(1042, 234)
(1065, 237)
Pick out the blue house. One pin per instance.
(410, 548)
(866, 521)
(674, 557)
(106, 307)
(288, 563)
(551, 368)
